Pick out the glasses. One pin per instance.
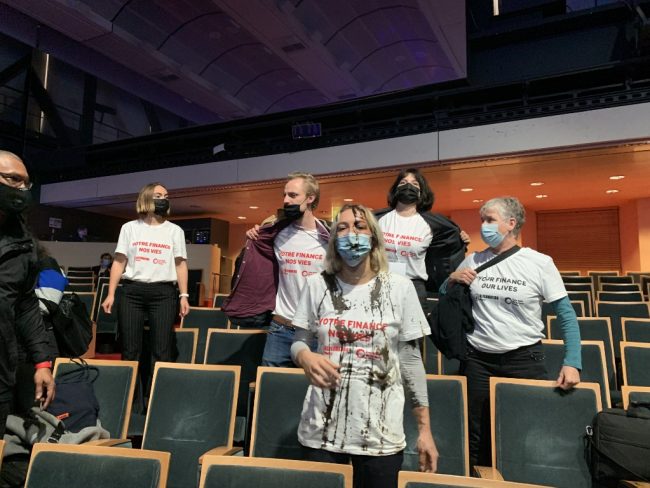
(17, 181)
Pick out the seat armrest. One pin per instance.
(110, 442)
(488, 473)
(221, 451)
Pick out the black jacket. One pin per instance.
(446, 251)
(20, 318)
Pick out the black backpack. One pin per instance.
(620, 444)
(72, 326)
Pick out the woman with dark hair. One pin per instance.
(367, 325)
(423, 246)
(150, 259)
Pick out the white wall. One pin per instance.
(601, 126)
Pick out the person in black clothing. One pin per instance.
(421, 245)
(104, 268)
(20, 319)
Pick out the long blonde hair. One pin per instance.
(378, 262)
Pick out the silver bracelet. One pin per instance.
(186, 295)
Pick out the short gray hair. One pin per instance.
(508, 208)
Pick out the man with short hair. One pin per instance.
(20, 319)
(275, 265)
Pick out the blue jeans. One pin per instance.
(277, 351)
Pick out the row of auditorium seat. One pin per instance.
(540, 431)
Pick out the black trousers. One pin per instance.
(421, 290)
(524, 362)
(5, 408)
(157, 304)
(368, 471)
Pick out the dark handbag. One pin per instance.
(451, 319)
(620, 444)
(72, 326)
(75, 403)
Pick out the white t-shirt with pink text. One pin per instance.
(359, 327)
(407, 240)
(300, 253)
(151, 250)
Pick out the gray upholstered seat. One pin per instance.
(186, 343)
(635, 357)
(448, 417)
(73, 466)
(540, 431)
(204, 318)
(191, 411)
(279, 396)
(427, 480)
(616, 311)
(636, 330)
(238, 472)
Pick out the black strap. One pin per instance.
(498, 259)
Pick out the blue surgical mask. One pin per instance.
(491, 235)
(353, 248)
(106, 263)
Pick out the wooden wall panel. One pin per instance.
(580, 239)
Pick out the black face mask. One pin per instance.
(293, 212)
(13, 200)
(161, 206)
(407, 194)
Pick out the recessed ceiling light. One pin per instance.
(348, 200)
(537, 183)
(616, 177)
(541, 196)
(477, 200)
(467, 189)
(253, 207)
(612, 191)
(241, 217)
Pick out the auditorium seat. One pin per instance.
(593, 329)
(448, 417)
(636, 330)
(279, 396)
(635, 358)
(409, 479)
(245, 472)
(114, 388)
(635, 394)
(191, 412)
(540, 431)
(594, 367)
(186, 343)
(82, 466)
(204, 318)
(243, 347)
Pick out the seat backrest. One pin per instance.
(279, 397)
(191, 410)
(619, 296)
(620, 287)
(596, 275)
(114, 389)
(635, 358)
(570, 273)
(204, 318)
(448, 366)
(636, 275)
(243, 472)
(430, 355)
(636, 330)
(186, 342)
(81, 466)
(218, 299)
(408, 479)
(594, 367)
(538, 431)
(593, 329)
(107, 323)
(81, 287)
(580, 287)
(586, 299)
(577, 279)
(243, 347)
(448, 417)
(635, 394)
(101, 290)
(88, 299)
(616, 311)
